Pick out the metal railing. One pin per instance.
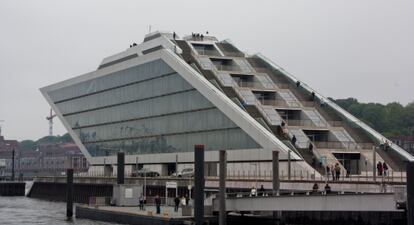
(208, 52)
(306, 123)
(249, 84)
(286, 103)
(343, 145)
(222, 67)
(307, 176)
(233, 54)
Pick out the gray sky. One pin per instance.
(361, 49)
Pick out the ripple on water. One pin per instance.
(22, 210)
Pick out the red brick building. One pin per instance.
(46, 160)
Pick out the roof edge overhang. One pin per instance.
(373, 133)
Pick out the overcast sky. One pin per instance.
(362, 49)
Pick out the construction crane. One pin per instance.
(50, 119)
(1, 121)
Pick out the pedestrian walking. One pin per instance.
(327, 189)
(253, 192)
(379, 168)
(262, 191)
(187, 200)
(315, 188)
(293, 140)
(333, 172)
(337, 171)
(183, 201)
(158, 204)
(141, 202)
(328, 172)
(310, 147)
(177, 203)
(384, 169)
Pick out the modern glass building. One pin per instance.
(156, 100)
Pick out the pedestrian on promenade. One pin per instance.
(328, 172)
(187, 200)
(158, 204)
(253, 192)
(262, 191)
(327, 189)
(177, 203)
(315, 188)
(183, 201)
(337, 171)
(379, 168)
(333, 172)
(384, 169)
(141, 202)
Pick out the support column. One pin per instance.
(276, 182)
(374, 163)
(410, 193)
(275, 163)
(12, 175)
(120, 167)
(199, 184)
(176, 164)
(289, 165)
(222, 187)
(69, 193)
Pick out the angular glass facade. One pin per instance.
(145, 109)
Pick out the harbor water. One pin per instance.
(23, 210)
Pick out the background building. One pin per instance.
(46, 160)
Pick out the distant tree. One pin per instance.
(66, 138)
(27, 145)
(391, 120)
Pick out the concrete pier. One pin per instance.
(132, 215)
(11, 188)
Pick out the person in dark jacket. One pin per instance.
(315, 188)
(158, 204)
(384, 169)
(327, 189)
(379, 168)
(293, 140)
(177, 203)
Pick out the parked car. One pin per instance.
(187, 172)
(145, 173)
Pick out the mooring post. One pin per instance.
(275, 163)
(199, 184)
(12, 175)
(222, 187)
(120, 167)
(410, 193)
(69, 193)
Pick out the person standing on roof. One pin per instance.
(293, 140)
